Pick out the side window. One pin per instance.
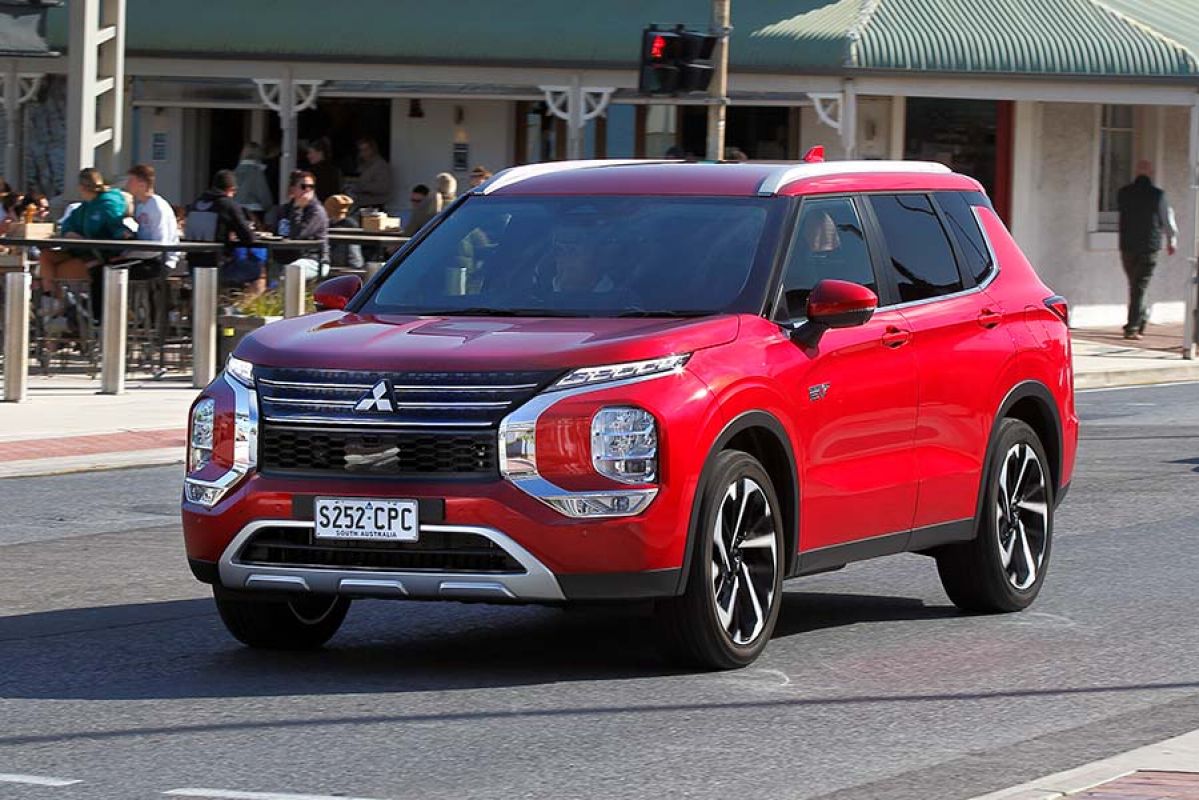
(921, 256)
(829, 243)
(964, 226)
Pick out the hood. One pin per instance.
(339, 340)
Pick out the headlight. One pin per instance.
(200, 443)
(624, 444)
(618, 372)
(240, 370)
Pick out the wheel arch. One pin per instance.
(1032, 402)
(763, 436)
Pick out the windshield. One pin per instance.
(588, 256)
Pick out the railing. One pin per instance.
(114, 322)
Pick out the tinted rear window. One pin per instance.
(921, 257)
(964, 227)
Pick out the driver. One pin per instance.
(576, 264)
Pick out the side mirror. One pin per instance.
(835, 304)
(336, 292)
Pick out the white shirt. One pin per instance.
(156, 223)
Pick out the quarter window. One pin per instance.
(829, 243)
(976, 258)
(921, 257)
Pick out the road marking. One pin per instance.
(36, 780)
(227, 794)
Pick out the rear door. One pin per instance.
(959, 348)
(854, 393)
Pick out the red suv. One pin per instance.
(626, 380)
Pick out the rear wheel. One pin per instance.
(734, 586)
(1003, 567)
(299, 623)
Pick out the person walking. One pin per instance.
(1146, 224)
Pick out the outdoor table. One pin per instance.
(113, 330)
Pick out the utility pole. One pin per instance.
(719, 88)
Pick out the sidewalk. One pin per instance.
(1103, 358)
(66, 426)
(1168, 769)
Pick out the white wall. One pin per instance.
(874, 130)
(423, 147)
(170, 170)
(1053, 192)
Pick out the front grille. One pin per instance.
(442, 400)
(405, 424)
(334, 451)
(436, 551)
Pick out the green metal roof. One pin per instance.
(1102, 38)
(1040, 37)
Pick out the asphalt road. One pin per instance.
(116, 672)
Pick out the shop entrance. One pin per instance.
(973, 137)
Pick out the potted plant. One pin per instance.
(248, 313)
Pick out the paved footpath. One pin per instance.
(1166, 770)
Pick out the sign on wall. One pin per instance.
(158, 146)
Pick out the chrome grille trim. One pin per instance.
(349, 422)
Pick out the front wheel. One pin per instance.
(734, 585)
(1003, 567)
(300, 623)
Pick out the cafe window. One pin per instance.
(1116, 142)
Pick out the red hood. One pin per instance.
(339, 340)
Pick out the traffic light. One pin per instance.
(659, 62)
(675, 61)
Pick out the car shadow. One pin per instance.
(179, 649)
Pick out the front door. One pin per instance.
(854, 394)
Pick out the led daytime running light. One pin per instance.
(240, 370)
(587, 376)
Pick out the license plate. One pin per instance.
(366, 519)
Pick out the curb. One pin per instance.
(1145, 376)
(1180, 754)
(37, 467)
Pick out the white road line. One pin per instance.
(226, 794)
(36, 780)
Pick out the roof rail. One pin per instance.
(514, 175)
(791, 173)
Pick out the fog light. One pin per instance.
(199, 451)
(624, 444)
(200, 494)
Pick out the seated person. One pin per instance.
(302, 217)
(342, 254)
(216, 217)
(101, 215)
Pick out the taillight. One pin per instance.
(1058, 305)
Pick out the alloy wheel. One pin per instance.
(744, 561)
(1022, 516)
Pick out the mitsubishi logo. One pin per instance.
(377, 399)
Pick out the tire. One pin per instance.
(1003, 568)
(725, 617)
(301, 623)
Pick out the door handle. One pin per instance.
(989, 319)
(896, 337)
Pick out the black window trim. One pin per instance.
(865, 216)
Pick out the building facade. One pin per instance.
(1048, 102)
